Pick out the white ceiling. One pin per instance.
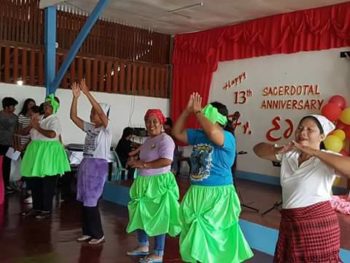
(183, 16)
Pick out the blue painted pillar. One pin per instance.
(50, 47)
(90, 22)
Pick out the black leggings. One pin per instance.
(43, 191)
(6, 164)
(92, 225)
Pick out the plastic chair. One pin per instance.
(117, 169)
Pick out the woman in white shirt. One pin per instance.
(93, 169)
(44, 159)
(309, 229)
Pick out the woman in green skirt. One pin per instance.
(210, 210)
(44, 159)
(154, 207)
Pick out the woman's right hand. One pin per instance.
(189, 107)
(75, 90)
(197, 102)
(286, 148)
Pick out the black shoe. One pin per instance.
(9, 190)
(30, 212)
(84, 238)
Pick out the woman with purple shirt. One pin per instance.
(154, 207)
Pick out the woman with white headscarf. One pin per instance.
(309, 229)
(93, 169)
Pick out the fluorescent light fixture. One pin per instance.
(20, 82)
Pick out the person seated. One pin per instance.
(124, 147)
(177, 158)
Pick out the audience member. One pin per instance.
(8, 122)
(124, 147)
(175, 165)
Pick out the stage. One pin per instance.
(261, 230)
(53, 240)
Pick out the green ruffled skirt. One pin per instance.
(154, 205)
(210, 229)
(44, 158)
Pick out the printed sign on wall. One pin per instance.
(272, 93)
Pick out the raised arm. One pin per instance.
(213, 131)
(268, 151)
(94, 103)
(265, 151)
(179, 131)
(340, 163)
(194, 105)
(74, 106)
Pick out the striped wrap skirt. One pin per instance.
(309, 234)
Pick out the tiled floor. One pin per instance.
(26, 240)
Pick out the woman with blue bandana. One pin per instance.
(44, 159)
(210, 209)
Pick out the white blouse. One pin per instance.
(306, 185)
(51, 123)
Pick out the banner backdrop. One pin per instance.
(273, 92)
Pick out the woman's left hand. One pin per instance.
(84, 88)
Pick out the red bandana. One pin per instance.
(158, 113)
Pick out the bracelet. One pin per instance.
(198, 111)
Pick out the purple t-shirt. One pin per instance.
(161, 146)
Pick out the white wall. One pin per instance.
(125, 111)
(324, 68)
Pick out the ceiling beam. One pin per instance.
(46, 3)
(50, 47)
(84, 32)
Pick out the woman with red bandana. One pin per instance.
(154, 207)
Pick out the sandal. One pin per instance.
(96, 241)
(137, 253)
(84, 238)
(151, 260)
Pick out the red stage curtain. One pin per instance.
(196, 55)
